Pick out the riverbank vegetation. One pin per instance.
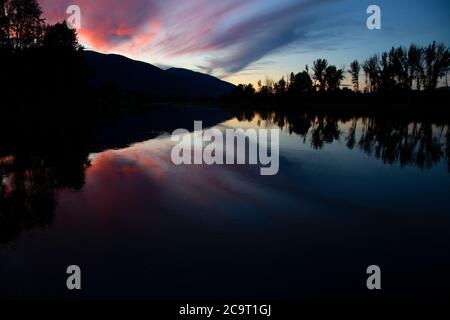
(398, 76)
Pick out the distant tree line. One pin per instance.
(400, 69)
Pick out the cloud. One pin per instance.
(254, 38)
(227, 35)
(109, 23)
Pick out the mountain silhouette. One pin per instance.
(131, 76)
(199, 84)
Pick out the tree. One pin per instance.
(333, 77)
(61, 54)
(4, 25)
(291, 82)
(395, 69)
(270, 85)
(268, 88)
(243, 91)
(355, 69)
(60, 37)
(398, 67)
(23, 25)
(372, 67)
(437, 61)
(249, 90)
(415, 63)
(302, 83)
(280, 87)
(385, 80)
(319, 68)
(365, 67)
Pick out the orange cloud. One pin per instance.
(107, 24)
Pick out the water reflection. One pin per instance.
(393, 140)
(28, 186)
(37, 162)
(159, 231)
(30, 179)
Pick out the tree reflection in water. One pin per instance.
(40, 156)
(29, 184)
(33, 171)
(419, 143)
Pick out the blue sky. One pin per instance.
(243, 41)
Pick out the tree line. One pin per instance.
(42, 64)
(400, 69)
(22, 27)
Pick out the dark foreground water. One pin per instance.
(351, 192)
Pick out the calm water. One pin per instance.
(351, 192)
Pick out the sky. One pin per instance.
(242, 41)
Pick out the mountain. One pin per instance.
(130, 76)
(199, 84)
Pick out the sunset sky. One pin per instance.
(243, 41)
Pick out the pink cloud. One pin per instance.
(228, 35)
(108, 23)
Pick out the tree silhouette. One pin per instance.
(366, 69)
(244, 91)
(60, 37)
(268, 88)
(416, 67)
(291, 82)
(21, 24)
(437, 61)
(280, 87)
(397, 70)
(371, 66)
(40, 63)
(4, 26)
(319, 69)
(301, 83)
(385, 81)
(333, 77)
(355, 69)
(398, 64)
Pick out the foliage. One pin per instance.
(397, 70)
